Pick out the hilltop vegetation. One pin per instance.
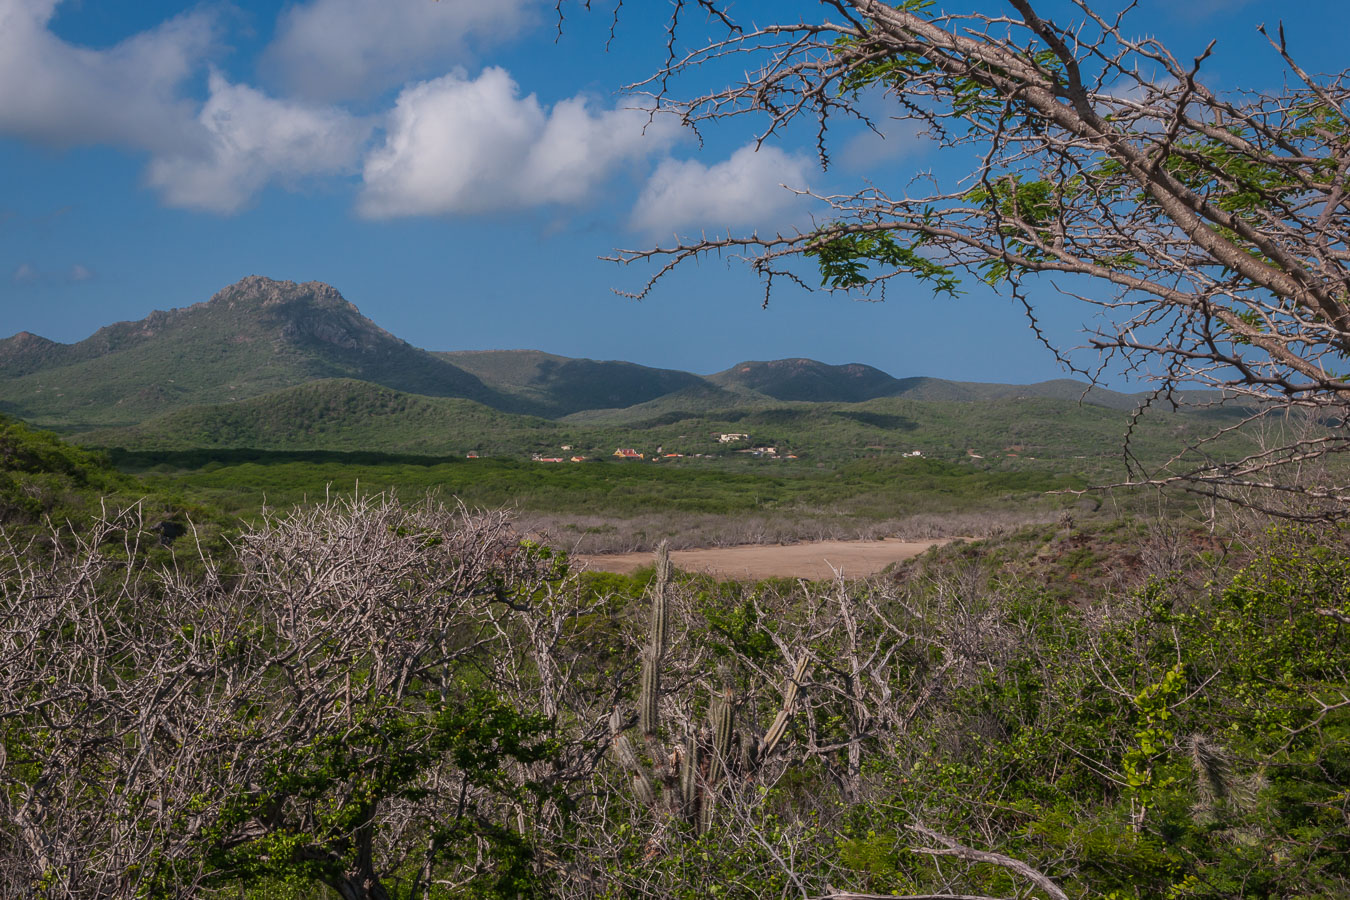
(350, 415)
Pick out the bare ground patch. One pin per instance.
(816, 560)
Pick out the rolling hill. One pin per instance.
(809, 380)
(817, 382)
(554, 386)
(337, 414)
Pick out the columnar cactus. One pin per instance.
(682, 781)
(656, 651)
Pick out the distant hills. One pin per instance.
(817, 382)
(555, 386)
(267, 363)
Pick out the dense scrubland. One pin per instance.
(235, 664)
(363, 698)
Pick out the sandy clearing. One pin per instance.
(815, 561)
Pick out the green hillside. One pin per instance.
(253, 337)
(280, 366)
(703, 399)
(337, 414)
(1065, 389)
(42, 476)
(49, 488)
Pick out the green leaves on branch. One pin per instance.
(1154, 735)
(845, 261)
(320, 798)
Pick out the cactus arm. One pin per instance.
(627, 758)
(778, 727)
(689, 776)
(722, 713)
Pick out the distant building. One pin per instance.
(548, 459)
(913, 453)
(732, 438)
(473, 454)
(565, 447)
(627, 453)
(578, 459)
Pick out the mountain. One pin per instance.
(554, 386)
(255, 336)
(806, 379)
(27, 352)
(259, 336)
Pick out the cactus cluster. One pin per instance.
(682, 782)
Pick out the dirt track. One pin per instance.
(816, 561)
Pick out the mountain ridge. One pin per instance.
(260, 335)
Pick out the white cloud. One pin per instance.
(213, 156)
(336, 49)
(745, 190)
(254, 139)
(867, 149)
(27, 273)
(55, 92)
(455, 145)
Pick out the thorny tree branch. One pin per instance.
(1213, 228)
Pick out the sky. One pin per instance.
(459, 169)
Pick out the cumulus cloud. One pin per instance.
(337, 49)
(455, 145)
(25, 274)
(79, 272)
(251, 140)
(745, 190)
(55, 92)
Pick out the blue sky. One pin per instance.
(456, 168)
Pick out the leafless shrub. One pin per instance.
(147, 715)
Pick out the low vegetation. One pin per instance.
(367, 700)
(620, 506)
